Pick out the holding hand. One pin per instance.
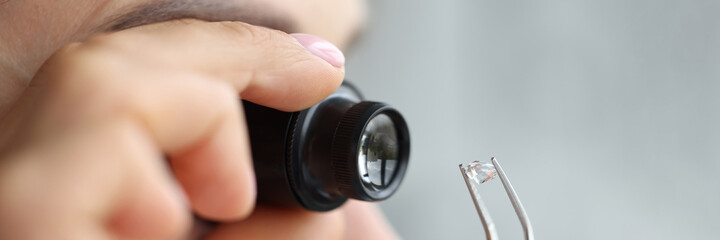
(83, 151)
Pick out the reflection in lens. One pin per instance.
(378, 155)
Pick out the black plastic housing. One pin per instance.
(296, 157)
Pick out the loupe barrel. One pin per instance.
(340, 148)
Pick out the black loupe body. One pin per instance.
(342, 147)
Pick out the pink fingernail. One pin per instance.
(321, 48)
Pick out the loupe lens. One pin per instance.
(378, 153)
(370, 151)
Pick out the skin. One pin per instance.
(90, 109)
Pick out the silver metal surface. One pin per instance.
(488, 224)
(519, 209)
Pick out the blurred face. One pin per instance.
(33, 29)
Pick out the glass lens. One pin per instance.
(378, 155)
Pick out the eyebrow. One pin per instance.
(207, 10)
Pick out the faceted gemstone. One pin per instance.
(480, 172)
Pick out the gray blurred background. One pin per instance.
(604, 114)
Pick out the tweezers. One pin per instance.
(488, 224)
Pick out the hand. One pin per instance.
(83, 151)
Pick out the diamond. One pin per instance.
(480, 172)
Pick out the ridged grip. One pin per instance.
(344, 150)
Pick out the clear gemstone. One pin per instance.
(480, 172)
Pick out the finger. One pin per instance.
(274, 223)
(101, 183)
(268, 67)
(218, 174)
(195, 121)
(198, 124)
(265, 66)
(367, 221)
(158, 74)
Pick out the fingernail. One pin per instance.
(321, 48)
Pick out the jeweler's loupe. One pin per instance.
(340, 148)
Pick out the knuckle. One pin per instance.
(224, 95)
(59, 59)
(94, 64)
(74, 78)
(79, 96)
(117, 44)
